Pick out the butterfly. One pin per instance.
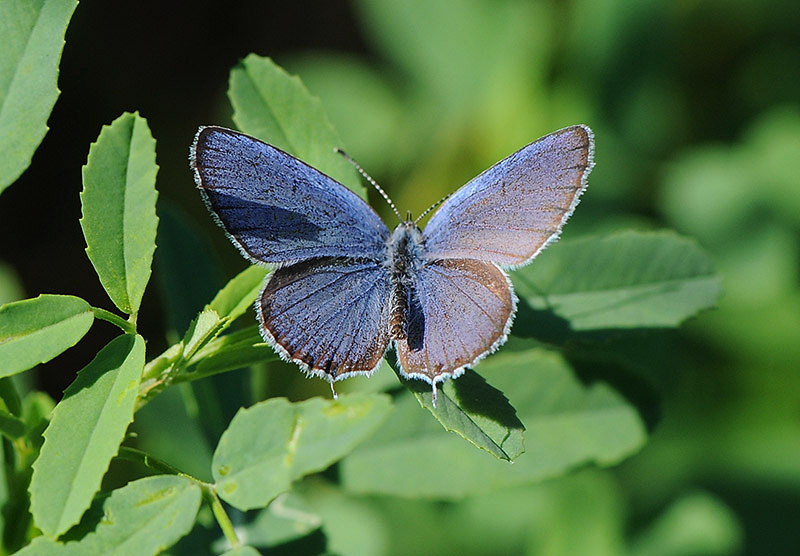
(345, 288)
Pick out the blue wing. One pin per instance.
(329, 316)
(277, 209)
(459, 311)
(510, 212)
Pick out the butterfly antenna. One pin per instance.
(370, 180)
(433, 206)
(433, 398)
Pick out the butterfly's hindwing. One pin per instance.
(459, 310)
(328, 315)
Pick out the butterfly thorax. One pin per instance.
(404, 256)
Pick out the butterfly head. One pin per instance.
(406, 238)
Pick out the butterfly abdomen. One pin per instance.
(397, 320)
(404, 257)
(399, 300)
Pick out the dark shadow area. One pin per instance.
(634, 388)
(637, 362)
(542, 325)
(415, 327)
(313, 543)
(475, 395)
(472, 394)
(247, 220)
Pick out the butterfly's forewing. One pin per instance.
(277, 209)
(459, 311)
(510, 212)
(330, 316)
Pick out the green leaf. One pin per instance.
(626, 280)
(10, 396)
(233, 351)
(276, 107)
(567, 425)
(231, 302)
(33, 37)
(476, 411)
(143, 518)
(201, 346)
(202, 330)
(119, 217)
(44, 546)
(271, 444)
(239, 293)
(10, 426)
(86, 430)
(33, 331)
(372, 120)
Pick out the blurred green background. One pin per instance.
(696, 110)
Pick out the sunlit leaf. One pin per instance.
(86, 430)
(33, 331)
(239, 293)
(119, 215)
(143, 518)
(567, 425)
(232, 351)
(33, 37)
(275, 107)
(202, 330)
(627, 280)
(271, 444)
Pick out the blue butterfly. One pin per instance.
(345, 287)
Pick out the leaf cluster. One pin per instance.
(585, 302)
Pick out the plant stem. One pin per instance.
(225, 523)
(208, 489)
(108, 316)
(132, 454)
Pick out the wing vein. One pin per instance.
(341, 276)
